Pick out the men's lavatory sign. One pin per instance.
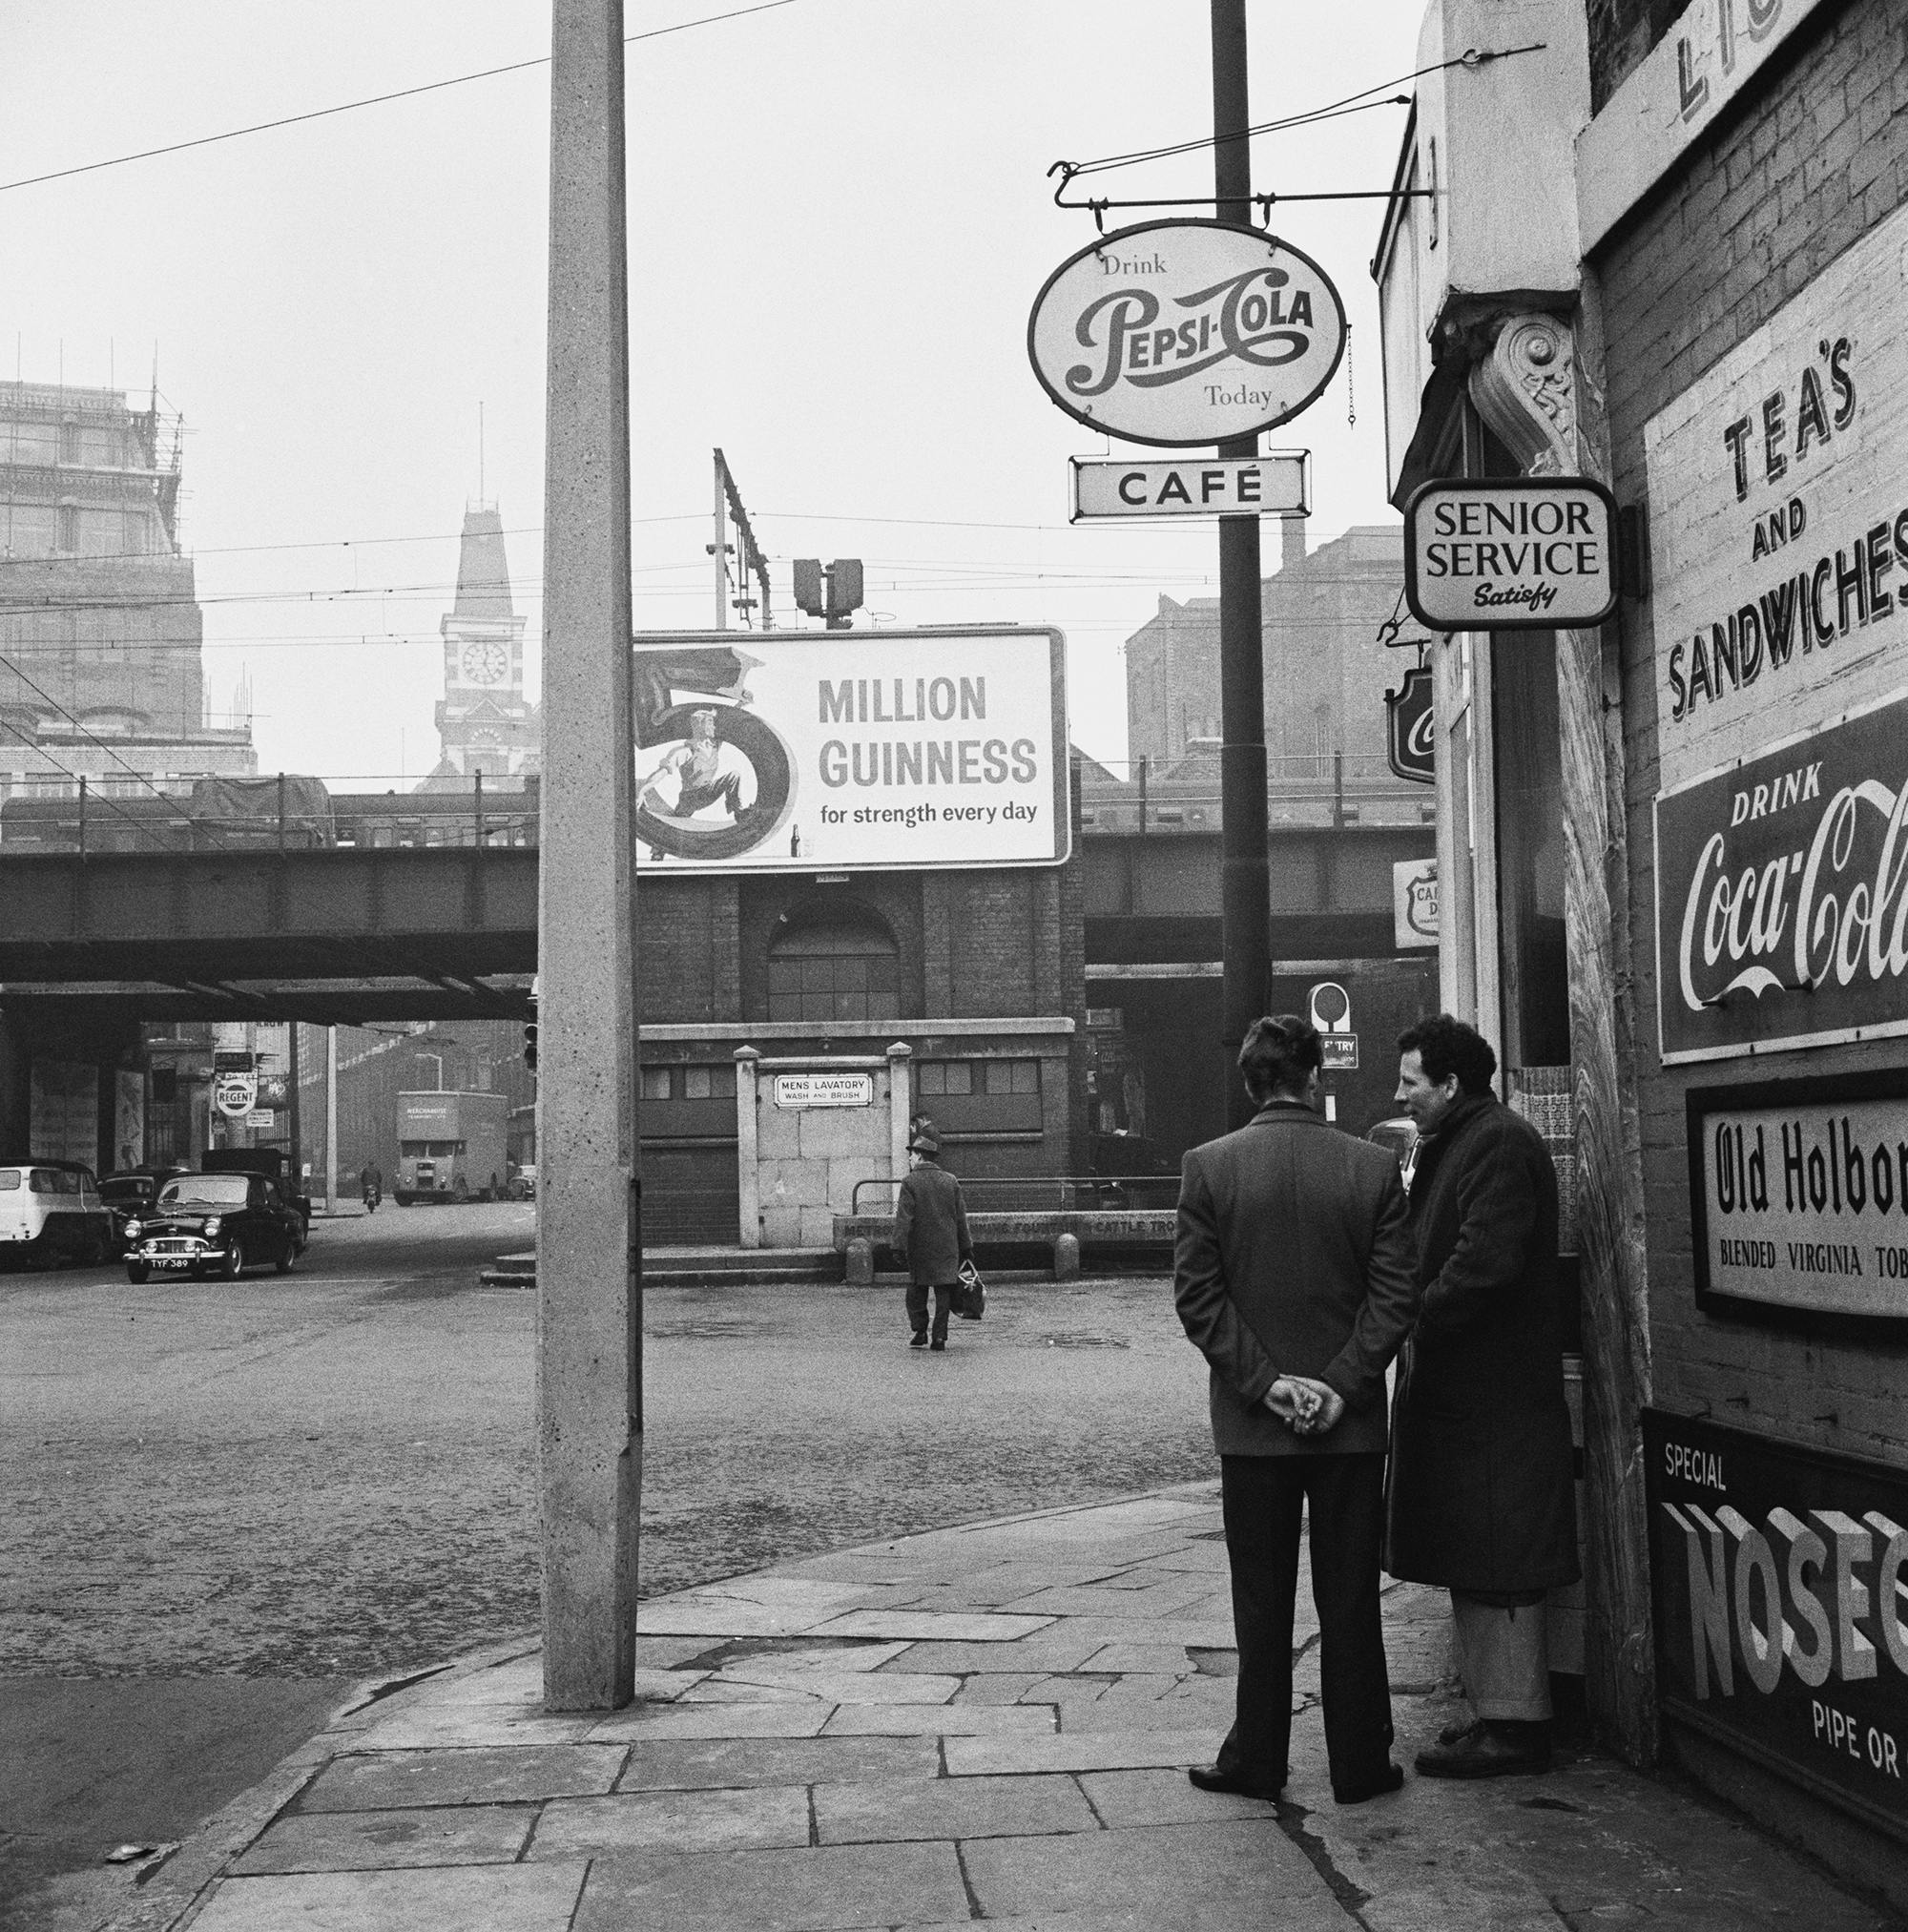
(804, 751)
(1779, 534)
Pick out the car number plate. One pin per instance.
(172, 1261)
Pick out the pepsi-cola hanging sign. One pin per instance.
(1186, 332)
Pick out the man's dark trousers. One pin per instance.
(1263, 1498)
(917, 1292)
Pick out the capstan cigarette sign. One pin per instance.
(1782, 895)
(1530, 554)
(1779, 1579)
(1186, 332)
(1799, 1197)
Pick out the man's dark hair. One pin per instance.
(1446, 1045)
(1280, 1052)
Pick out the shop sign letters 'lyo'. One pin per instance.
(1182, 333)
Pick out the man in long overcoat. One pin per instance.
(1293, 1277)
(931, 1230)
(1482, 1496)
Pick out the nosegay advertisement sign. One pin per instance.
(805, 751)
(1186, 332)
(1515, 556)
(1799, 1195)
(1777, 1576)
(1782, 895)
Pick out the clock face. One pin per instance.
(487, 663)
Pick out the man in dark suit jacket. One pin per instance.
(931, 1230)
(1292, 1275)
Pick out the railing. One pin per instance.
(284, 812)
(1043, 1194)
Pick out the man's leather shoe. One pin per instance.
(1209, 1778)
(1456, 1733)
(937, 1346)
(1494, 1750)
(919, 1340)
(1388, 1780)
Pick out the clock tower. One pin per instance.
(483, 722)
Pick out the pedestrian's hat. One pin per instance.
(923, 1141)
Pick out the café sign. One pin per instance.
(1519, 554)
(1782, 895)
(1186, 332)
(1777, 1584)
(1108, 489)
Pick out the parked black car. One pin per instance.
(130, 1193)
(214, 1224)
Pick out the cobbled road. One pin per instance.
(332, 1473)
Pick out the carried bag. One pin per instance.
(970, 1294)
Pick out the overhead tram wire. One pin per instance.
(105, 799)
(370, 100)
(93, 738)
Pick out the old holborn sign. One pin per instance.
(1186, 332)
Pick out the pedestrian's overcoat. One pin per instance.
(1482, 1495)
(931, 1226)
(1291, 1258)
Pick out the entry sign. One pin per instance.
(1277, 484)
(1341, 1052)
(1528, 554)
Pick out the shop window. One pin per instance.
(841, 967)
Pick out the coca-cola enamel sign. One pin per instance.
(1782, 895)
(1186, 332)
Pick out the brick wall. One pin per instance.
(1811, 158)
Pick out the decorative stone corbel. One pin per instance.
(1526, 389)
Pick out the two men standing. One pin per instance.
(1298, 1275)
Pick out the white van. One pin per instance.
(49, 1210)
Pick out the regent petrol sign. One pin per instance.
(807, 751)
(1110, 489)
(1777, 1579)
(1782, 895)
(1798, 1194)
(1522, 555)
(1186, 332)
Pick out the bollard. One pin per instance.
(1067, 1257)
(860, 1262)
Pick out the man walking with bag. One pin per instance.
(931, 1230)
(1293, 1277)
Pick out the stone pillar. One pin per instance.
(1540, 390)
(900, 1105)
(748, 1158)
(588, 1367)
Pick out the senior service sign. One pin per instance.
(1186, 332)
(805, 751)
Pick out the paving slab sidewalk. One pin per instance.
(984, 1724)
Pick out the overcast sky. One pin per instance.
(839, 219)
